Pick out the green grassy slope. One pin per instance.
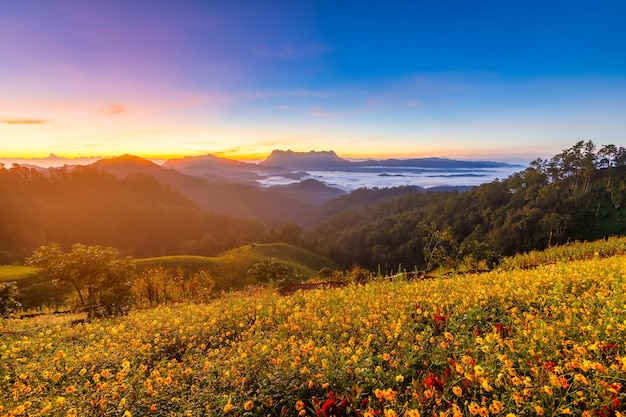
(16, 272)
(229, 269)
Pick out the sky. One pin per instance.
(498, 80)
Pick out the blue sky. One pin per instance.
(505, 80)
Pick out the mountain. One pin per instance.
(437, 163)
(136, 214)
(357, 200)
(310, 191)
(237, 200)
(579, 194)
(313, 160)
(218, 169)
(328, 160)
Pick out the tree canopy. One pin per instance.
(102, 281)
(578, 194)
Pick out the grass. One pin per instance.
(17, 273)
(229, 269)
(543, 341)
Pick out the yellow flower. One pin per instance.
(390, 413)
(228, 407)
(547, 390)
(268, 402)
(496, 407)
(399, 378)
(299, 405)
(539, 410)
(458, 391)
(127, 414)
(17, 410)
(60, 401)
(412, 413)
(72, 412)
(45, 410)
(249, 405)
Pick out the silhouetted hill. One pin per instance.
(238, 200)
(304, 160)
(355, 201)
(218, 169)
(310, 191)
(136, 214)
(327, 160)
(439, 163)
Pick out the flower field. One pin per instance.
(547, 341)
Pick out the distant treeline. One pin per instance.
(138, 215)
(579, 194)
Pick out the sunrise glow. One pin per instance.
(166, 79)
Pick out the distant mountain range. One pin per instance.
(324, 160)
(233, 188)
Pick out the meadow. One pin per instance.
(546, 341)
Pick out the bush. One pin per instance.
(8, 292)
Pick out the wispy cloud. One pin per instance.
(312, 49)
(114, 109)
(24, 121)
(316, 112)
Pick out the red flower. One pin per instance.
(549, 366)
(503, 330)
(433, 381)
(344, 404)
(329, 408)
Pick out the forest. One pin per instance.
(578, 194)
(137, 215)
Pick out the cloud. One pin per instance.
(316, 112)
(21, 121)
(309, 50)
(114, 109)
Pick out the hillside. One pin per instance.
(236, 200)
(546, 341)
(137, 214)
(229, 269)
(579, 194)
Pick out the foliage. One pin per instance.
(8, 294)
(545, 341)
(101, 280)
(229, 269)
(159, 285)
(137, 214)
(270, 270)
(569, 252)
(579, 194)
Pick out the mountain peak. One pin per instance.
(300, 160)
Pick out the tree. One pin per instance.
(102, 281)
(270, 269)
(8, 292)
